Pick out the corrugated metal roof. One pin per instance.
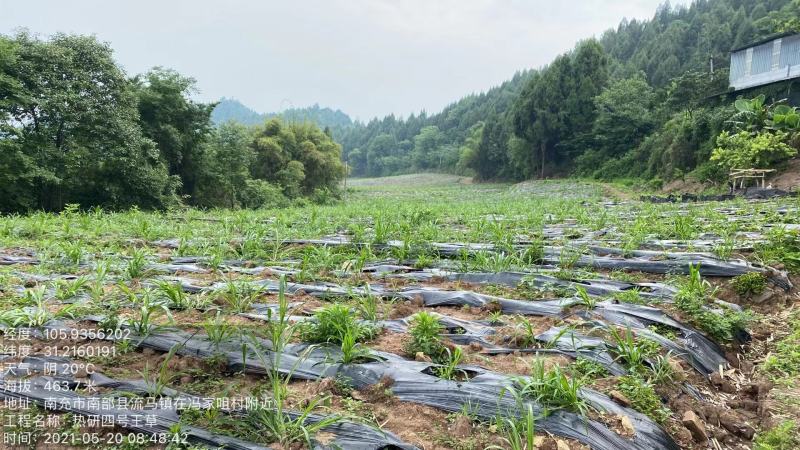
(764, 40)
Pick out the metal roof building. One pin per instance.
(768, 61)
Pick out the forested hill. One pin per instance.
(631, 103)
(231, 109)
(420, 142)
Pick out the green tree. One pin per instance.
(426, 144)
(18, 172)
(625, 115)
(299, 156)
(469, 151)
(491, 160)
(225, 167)
(76, 128)
(178, 125)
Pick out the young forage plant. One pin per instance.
(368, 305)
(449, 369)
(137, 265)
(332, 323)
(525, 333)
(67, 289)
(239, 296)
(149, 310)
(552, 388)
(157, 382)
(97, 287)
(37, 314)
(274, 420)
(174, 294)
(585, 299)
(633, 352)
(72, 252)
(218, 330)
(518, 434)
(352, 350)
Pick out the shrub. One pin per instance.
(324, 196)
(744, 150)
(630, 296)
(261, 194)
(752, 283)
(643, 397)
(722, 323)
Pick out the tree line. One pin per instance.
(74, 129)
(640, 101)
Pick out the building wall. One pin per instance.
(766, 63)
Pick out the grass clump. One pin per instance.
(584, 298)
(782, 437)
(518, 434)
(239, 296)
(38, 312)
(449, 369)
(643, 397)
(632, 351)
(335, 324)
(524, 333)
(157, 381)
(782, 247)
(752, 283)
(137, 265)
(218, 330)
(533, 253)
(144, 322)
(552, 388)
(352, 350)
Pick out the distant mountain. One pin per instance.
(232, 109)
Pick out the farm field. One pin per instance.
(420, 312)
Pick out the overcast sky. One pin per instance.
(365, 57)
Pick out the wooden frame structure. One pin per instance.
(741, 175)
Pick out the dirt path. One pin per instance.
(616, 193)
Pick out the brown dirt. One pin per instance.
(685, 185)
(788, 178)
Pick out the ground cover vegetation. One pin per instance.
(294, 305)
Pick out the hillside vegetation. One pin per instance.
(228, 109)
(638, 101)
